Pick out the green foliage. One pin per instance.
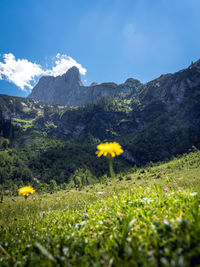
(52, 185)
(13, 169)
(61, 160)
(82, 177)
(4, 143)
(6, 130)
(47, 159)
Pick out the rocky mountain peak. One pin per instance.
(73, 76)
(93, 84)
(58, 90)
(132, 82)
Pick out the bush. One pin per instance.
(53, 185)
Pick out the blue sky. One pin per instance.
(111, 40)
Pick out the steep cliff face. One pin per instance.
(171, 88)
(69, 90)
(58, 90)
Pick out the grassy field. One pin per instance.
(144, 217)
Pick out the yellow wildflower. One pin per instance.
(109, 149)
(26, 190)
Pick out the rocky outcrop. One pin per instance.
(58, 90)
(69, 90)
(171, 88)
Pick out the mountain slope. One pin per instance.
(171, 88)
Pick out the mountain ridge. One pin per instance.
(69, 90)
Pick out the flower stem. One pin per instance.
(110, 160)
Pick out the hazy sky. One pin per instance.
(108, 40)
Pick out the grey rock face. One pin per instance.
(93, 84)
(170, 88)
(58, 90)
(68, 89)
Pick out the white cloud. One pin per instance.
(23, 73)
(62, 64)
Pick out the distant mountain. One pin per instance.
(69, 90)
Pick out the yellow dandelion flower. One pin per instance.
(109, 149)
(26, 190)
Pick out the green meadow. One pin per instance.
(142, 217)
